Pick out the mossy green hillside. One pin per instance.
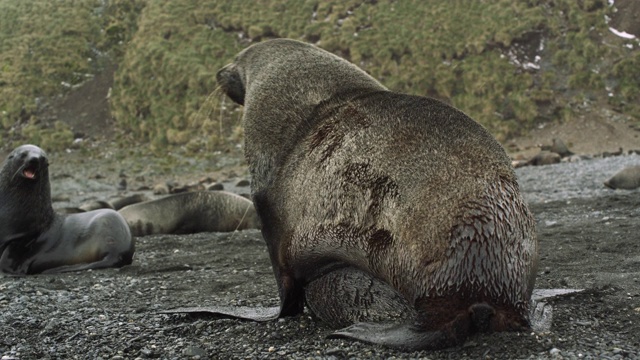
(44, 49)
(481, 56)
(47, 48)
(509, 64)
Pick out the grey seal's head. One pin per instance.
(25, 165)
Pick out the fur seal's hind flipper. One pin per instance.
(540, 312)
(400, 336)
(540, 316)
(231, 312)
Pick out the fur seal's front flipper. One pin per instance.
(231, 312)
(400, 336)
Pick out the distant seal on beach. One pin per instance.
(191, 212)
(626, 179)
(544, 157)
(372, 200)
(34, 239)
(557, 146)
(115, 204)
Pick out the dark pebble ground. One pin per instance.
(589, 238)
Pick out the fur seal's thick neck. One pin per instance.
(255, 78)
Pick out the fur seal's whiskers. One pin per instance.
(240, 222)
(211, 108)
(208, 100)
(16, 174)
(222, 108)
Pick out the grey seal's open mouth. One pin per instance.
(30, 171)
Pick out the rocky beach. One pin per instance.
(588, 240)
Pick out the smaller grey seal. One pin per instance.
(35, 239)
(626, 179)
(198, 211)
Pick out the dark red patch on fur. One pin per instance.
(380, 240)
(332, 131)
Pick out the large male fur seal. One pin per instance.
(372, 200)
(199, 211)
(34, 239)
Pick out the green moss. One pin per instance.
(168, 53)
(48, 48)
(57, 138)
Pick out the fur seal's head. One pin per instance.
(281, 68)
(231, 83)
(26, 165)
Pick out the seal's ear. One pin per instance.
(229, 79)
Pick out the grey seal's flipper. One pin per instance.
(115, 204)
(540, 316)
(540, 294)
(400, 336)
(96, 205)
(259, 314)
(119, 203)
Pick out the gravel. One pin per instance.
(589, 239)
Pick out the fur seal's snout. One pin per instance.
(230, 81)
(481, 316)
(35, 159)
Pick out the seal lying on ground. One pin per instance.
(627, 179)
(34, 239)
(378, 203)
(115, 204)
(184, 213)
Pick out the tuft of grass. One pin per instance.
(56, 138)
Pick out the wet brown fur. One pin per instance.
(404, 189)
